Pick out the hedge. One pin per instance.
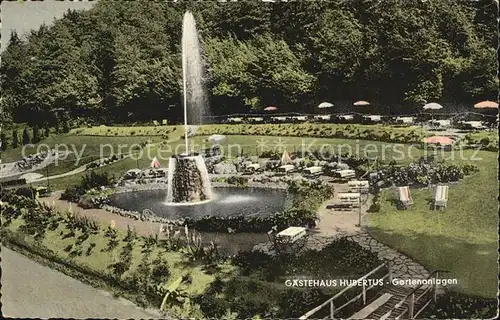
(349, 131)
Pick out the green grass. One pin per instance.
(85, 150)
(99, 260)
(87, 147)
(461, 239)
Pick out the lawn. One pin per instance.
(99, 259)
(141, 159)
(461, 239)
(84, 149)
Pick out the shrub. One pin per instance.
(89, 181)
(15, 139)
(26, 137)
(36, 136)
(4, 142)
(160, 272)
(453, 305)
(27, 192)
(375, 207)
(238, 181)
(73, 193)
(250, 261)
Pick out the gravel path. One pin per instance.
(30, 290)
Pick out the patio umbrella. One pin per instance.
(155, 163)
(486, 105)
(270, 108)
(439, 140)
(433, 106)
(285, 158)
(324, 105)
(361, 103)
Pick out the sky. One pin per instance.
(24, 16)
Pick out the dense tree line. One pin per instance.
(121, 60)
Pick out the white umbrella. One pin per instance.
(433, 106)
(361, 103)
(216, 138)
(324, 105)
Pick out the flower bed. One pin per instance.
(104, 162)
(424, 173)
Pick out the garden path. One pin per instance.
(31, 290)
(338, 224)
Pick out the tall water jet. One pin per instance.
(195, 97)
(188, 180)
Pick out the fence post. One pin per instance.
(364, 293)
(434, 291)
(332, 309)
(412, 305)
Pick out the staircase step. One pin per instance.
(369, 309)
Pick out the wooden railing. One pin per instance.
(365, 289)
(411, 299)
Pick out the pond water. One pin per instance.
(227, 202)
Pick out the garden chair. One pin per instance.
(405, 198)
(441, 197)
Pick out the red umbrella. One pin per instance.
(486, 105)
(439, 140)
(155, 163)
(361, 103)
(270, 108)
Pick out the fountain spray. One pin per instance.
(184, 84)
(188, 180)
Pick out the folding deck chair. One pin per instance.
(441, 197)
(405, 198)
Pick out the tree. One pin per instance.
(3, 141)
(36, 136)
(46, 130)
(26, 136)
(121, 61)
(15, 139)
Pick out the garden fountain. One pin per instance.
(188, 181)
(189, 193)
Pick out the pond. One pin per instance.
(227, 202)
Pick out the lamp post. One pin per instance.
(359, 211)
(47, 172)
